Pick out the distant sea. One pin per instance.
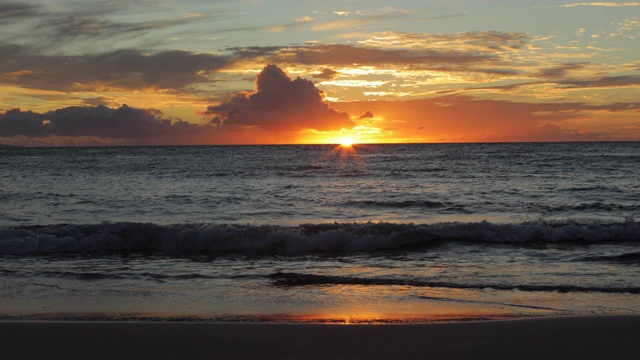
(320, 233)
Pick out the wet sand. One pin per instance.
(598, 337)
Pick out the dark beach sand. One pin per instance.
(602, 337)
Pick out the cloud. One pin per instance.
(85, 27)
(100, 100)
(99, 121)
(602, 4)
(14, 11)
(325, 74)
(280, 104)
(604, 82)
(362, 19)
(75, 25)
(270, 28)
(367, 115)
(487, 42)
(104, 126)
(480, 52)
(22, 123)
(560, 71)
(122, 69)
(346, 20)
(448, 118)
(347, 55)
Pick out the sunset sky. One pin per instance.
(155, 72)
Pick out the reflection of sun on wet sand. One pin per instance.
(602, 337)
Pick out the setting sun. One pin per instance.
(346, 142)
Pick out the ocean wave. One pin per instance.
(586, 207)
(426, 204)
(306, 238)
(598, 188)
(628, 258)
(296, 279)
(119, 275)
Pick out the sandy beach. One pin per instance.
(598, 337)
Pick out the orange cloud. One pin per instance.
(280, 104)
(461, 118)
(18, 73)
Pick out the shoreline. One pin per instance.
(583, 337)
(280, 319)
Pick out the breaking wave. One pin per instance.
(306, 238)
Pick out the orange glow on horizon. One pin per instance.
(346, 142)
(360, 134)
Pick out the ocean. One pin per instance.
(320, 233)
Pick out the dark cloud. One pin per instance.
(342, 55)
(480, 52)
(100, 100)
(86, 27)
(177, 70)
(100, 121)
(123, 69)
(367, 115)
(325, 74)
(623, 107)
(501, 88)
(604, 82)
(472, 56)
(555, 76)
(471, 41)
(78, 25)
(22, 123)
(280, 104)
(14, 11)
(560, 71)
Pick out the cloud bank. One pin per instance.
(121, 69)
(99, 121)
(279, 103)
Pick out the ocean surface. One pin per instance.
(320, 233)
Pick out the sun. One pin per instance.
(346, 142)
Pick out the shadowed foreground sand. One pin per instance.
(603, 337)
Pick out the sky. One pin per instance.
(161, 72)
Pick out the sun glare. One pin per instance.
(346, 142)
